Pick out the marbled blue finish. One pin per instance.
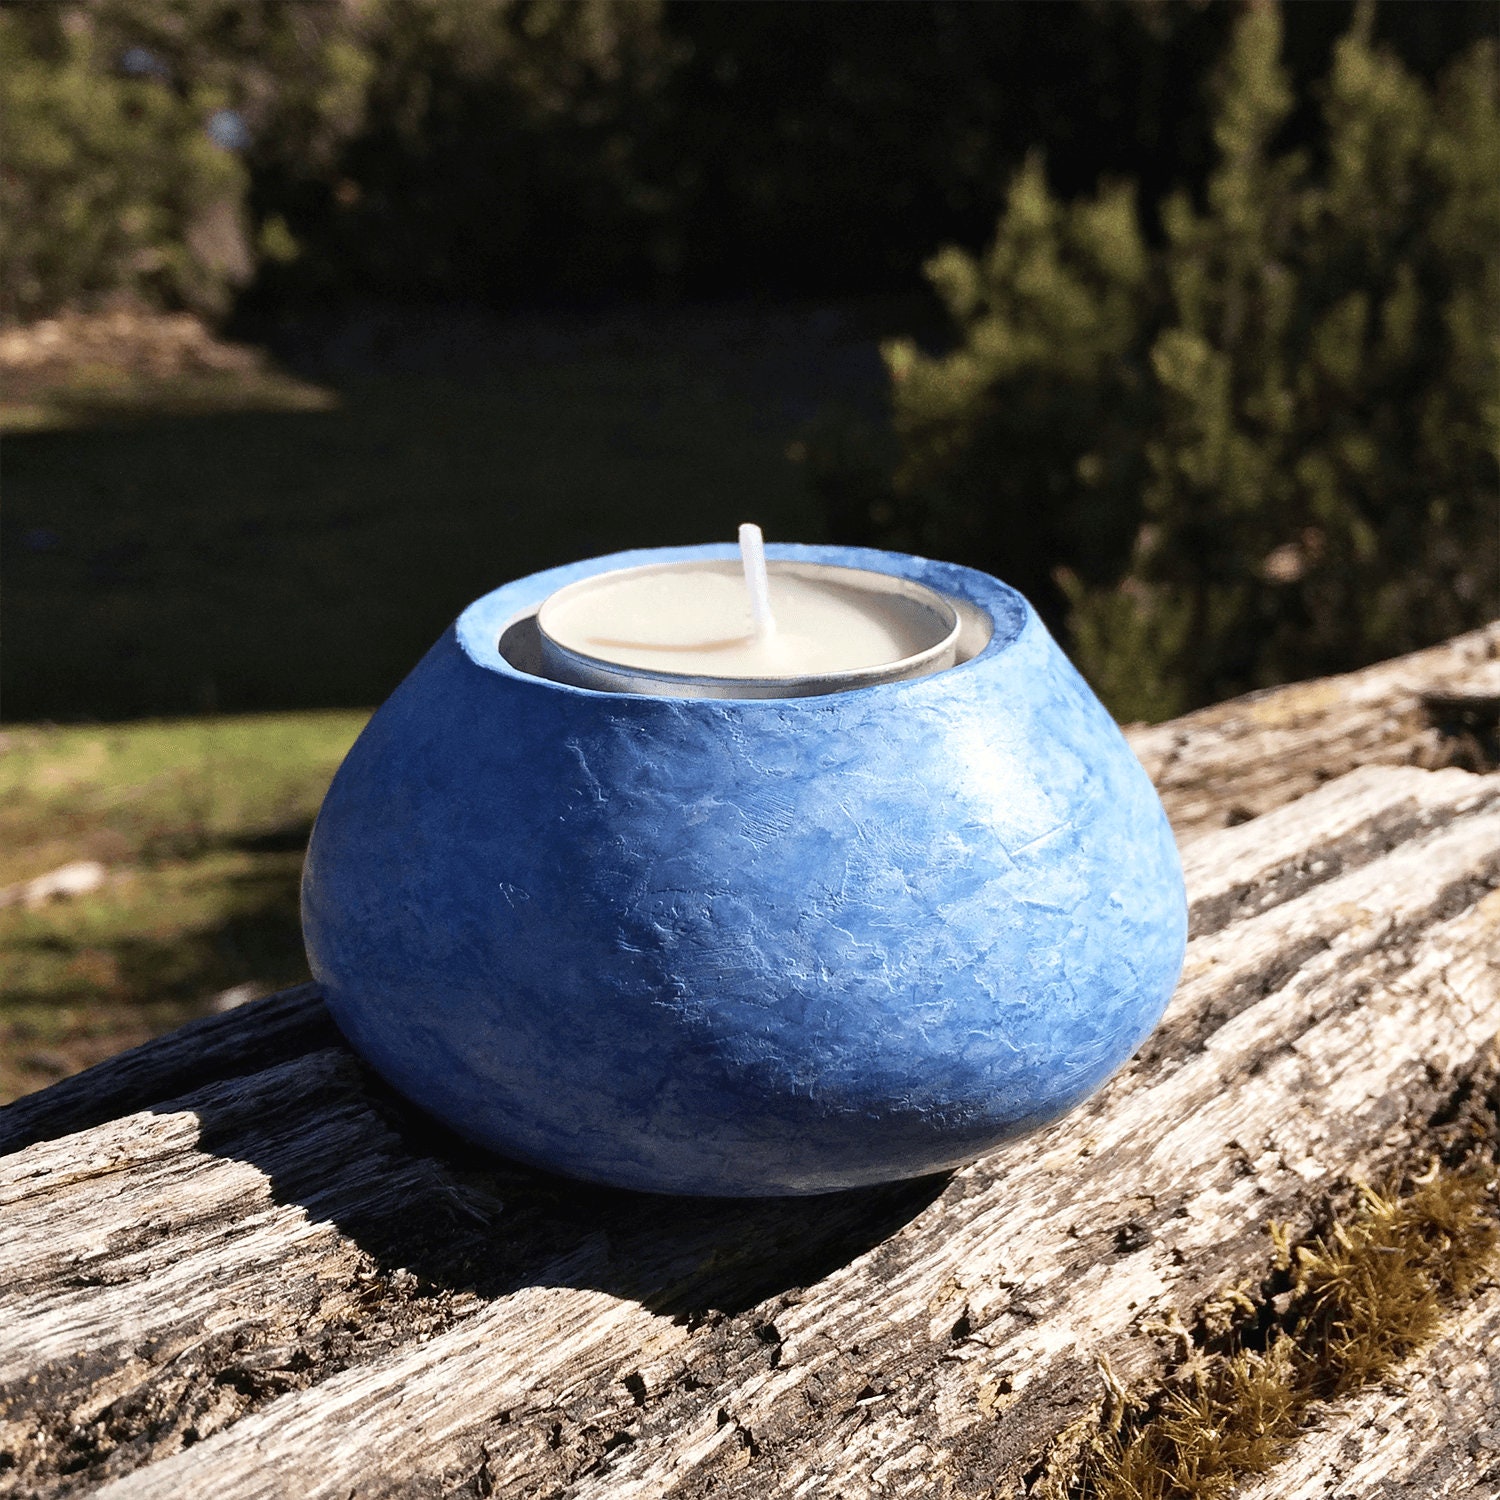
(745, 946)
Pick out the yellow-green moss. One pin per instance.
(1362, 1297)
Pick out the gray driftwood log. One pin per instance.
(233, 1265)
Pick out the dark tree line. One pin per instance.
(522, 151)
(1223, 285)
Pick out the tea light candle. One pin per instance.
(752, 629)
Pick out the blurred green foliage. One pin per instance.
(212, 152)
(500, 154)
(106, 176)
(174, 150)
(1223, 395)
(1260, 447)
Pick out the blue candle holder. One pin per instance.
(744, 946)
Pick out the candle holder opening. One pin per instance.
(946, 631)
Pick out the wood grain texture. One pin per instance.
(233, 1264)
(1237, 760)
(221, 1046)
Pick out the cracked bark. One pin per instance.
(233, 1264)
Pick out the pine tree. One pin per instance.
(1265, 448)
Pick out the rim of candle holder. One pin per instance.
(549, 658)
(498, 632)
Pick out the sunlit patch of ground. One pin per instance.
(72, 370)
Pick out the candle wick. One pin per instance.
(753, 560)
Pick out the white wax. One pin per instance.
(695, 619)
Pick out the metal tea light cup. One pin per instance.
(937, 616)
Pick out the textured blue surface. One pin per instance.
(736, 946)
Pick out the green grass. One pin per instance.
(200, 825)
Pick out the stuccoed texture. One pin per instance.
(745, 946)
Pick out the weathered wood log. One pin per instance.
(1225, 764)
(218, 1046)
(233, 1264)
